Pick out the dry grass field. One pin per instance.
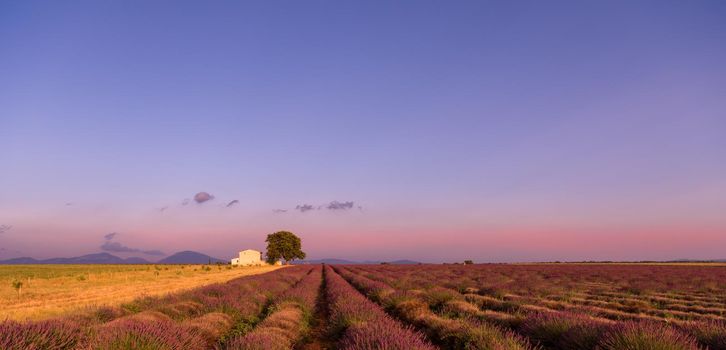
(54, 290)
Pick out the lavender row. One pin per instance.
(363, 325)
(288, 320)
(449, 333)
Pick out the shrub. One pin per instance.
(50, 335)
(18, 286)
(383, 335)
(562, 330)
(211, 326)
(646, 336)
(710, 333)
(437, 297)
(135, 334)
(105, 314)
(278, 331)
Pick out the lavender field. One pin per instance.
(557, 306)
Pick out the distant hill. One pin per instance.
(98, 258)
(352, 262)
(190, 257)
(404, 262)
(135, 260)
(20, 261)
(185, 257)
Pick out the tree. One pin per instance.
(18, 287)
(468, 262)
(283, 245)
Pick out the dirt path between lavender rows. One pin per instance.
(319, 339)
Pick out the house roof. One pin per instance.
(250, 250)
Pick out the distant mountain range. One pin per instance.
(99, 258)
(190, 257)
(185, 257)
(351, 262)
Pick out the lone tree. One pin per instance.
(283, 245)
(18, 287)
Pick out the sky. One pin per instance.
(496, 131)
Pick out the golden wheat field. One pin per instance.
(53, 290)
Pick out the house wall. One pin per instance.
(250, 257)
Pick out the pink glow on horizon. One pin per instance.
(518, 244)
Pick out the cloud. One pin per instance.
(202, 197)
(5, 228)
(335, 205)
(305, 207)
(110, 246)
(232, 203)
(185, 201)
(162, 209)
(68, 204)
(279, 211)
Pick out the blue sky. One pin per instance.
(452, 125)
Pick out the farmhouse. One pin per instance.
(249, 257)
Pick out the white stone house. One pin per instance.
(249, 257)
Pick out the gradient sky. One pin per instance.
(484, 130)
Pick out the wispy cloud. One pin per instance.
(304, 208)
(335, 205)
(110, 246)
(279, 211)
(202, 197)
(185, 201)
(232, 203)
(5, 228)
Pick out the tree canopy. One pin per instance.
(283, 245)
